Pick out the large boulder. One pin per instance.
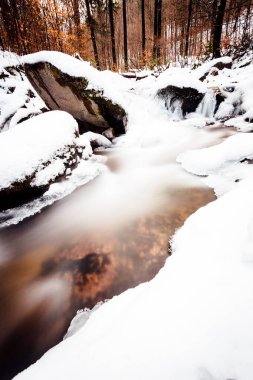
(34, 154)
(65, 83)
(180, 100)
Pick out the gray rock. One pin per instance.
(60, 91)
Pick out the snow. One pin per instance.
(8, 59)
(35, 142)
(206, 67)
(208, 160)
(80, 319)
(18, 99)
(180, 78)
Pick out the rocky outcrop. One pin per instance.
(61, 91)
(186, 98)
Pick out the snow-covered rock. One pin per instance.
(34, 154)
(180, 91)
(18, 100)
(208, 68)
(68, 84)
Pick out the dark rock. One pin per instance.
(221, 65)
(19, 193)
(229, 89)
(219, 99)
(60, 91)
(188, 97)
(249, 119)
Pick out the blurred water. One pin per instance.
(107, 236)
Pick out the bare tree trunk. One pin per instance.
(125, 35)
(188, 28)
(214, 11)
(110, 8)
(157, 29)
(218, 29)
(143, 30)
(77, 21)
(247, 18)
(92, 33)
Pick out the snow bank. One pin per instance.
(26, 148)
(208, 160)
(227, 165)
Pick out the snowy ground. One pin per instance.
(193, 320)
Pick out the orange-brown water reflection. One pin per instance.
(42, 289)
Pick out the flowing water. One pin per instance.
(109, 235)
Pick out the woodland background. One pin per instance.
(124, 34)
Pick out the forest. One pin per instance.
(125, 34)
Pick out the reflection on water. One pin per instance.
(41, 289)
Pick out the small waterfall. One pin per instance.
(207, 105)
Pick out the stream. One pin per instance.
(107, 236)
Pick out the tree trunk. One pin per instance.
(77, 22)
(125, 35)
(92, 33)
(111, 20)
(143, 31)
(188, 28)
(214, 11)
(157, 29)
(218, 28)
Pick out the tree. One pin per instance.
(77, 21)
(143, 30)
(218, 28)
(125, 35)
(111, 19)
(189, 18)
(92, 32)
(157, 29)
